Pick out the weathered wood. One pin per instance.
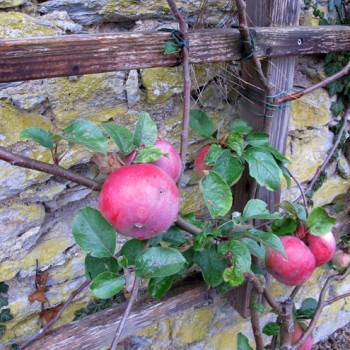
(280, 73)
(37, 58)
(97, 330)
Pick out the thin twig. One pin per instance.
(328, 158)
(37, 335)
(186, 87)
(320, 305)
(287, 324)
(122, 322)
(53, 169)
(186, 226)
(302, 193)
(339, 297)
(314, 87)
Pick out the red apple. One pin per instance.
(298, 332)
(341, 258)
(297, 267)
(301, 231)
(322, 247)
(199, 164)
(140, 200)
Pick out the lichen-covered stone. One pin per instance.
(343, 167)
(132, 88)
(11, 3)
(62, 20)
(311, 111)
(191, 200)
(20, 25)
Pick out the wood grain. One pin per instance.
(47, 57)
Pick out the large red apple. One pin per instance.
(140, 200)
(322, 247)
(297, 267)
(199, 164)
(298, 332)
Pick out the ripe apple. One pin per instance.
(298, 332)
(199, 164)
(297, 267)
(341, 258)
(301, 231)
(140, 200)
(322, 247)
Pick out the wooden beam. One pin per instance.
(47, 57)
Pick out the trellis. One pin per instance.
(278, 40)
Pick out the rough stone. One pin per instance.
(28, 102)
(42, 193)
(62, 20)
(11, 3)
(212, 96)
(343, 167)
(132, 88)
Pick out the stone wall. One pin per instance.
(36, 209)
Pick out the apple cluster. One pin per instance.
(141, 200)
(304, 252)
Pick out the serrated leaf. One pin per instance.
(263, 168)
(236, 143)
(259, 307)
(240, 254)
(319, 222)
(217, 194)
(107, 284)
(131, 248)
(254, 247)
(87, 134)
(201, 123)
(174, 236)
(123, 262)
(95, 266)
(212, 265)
(170, 47)
(271, 328)
(3, 301)
(241, 127)
(146, 132)
(228, 167)
(307, 308)
(285, 173)
(257, 209)
(258, 139)
(268, 239)
(337, 107)
(94, 233)
(39, 135)
(5, 315)
(158, 262)
(213, 155)
(295, 209)
(233, 277)
(4, 288)
(284, 226)
(158, 286)
(121, 136)
(243, 342)
(148, 154)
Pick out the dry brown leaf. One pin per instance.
(107, 164)
(38, 295)
(49, 314)
(41, 278)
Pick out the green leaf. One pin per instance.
(285, 174)
(320, 222)
(240, 254)
(232, 276)
(228, 167)
(263, 168)
(122, 262)
(86, 133)
(146, 132)
(2, 330)
(121, 136)
(258, 139)
(277, 155)
(271, 328)
(5, 315)
(39, 135)
(284, 226)
(254, 247)
(3, 301)
(212, 265)
(170, 47)
(259, 307)
(213, 154)
(201, 123)
(243, 342)
(131, 249)
(307, 309)
(158, 262)
(295, 209)
(174, 236)
(94, 233)
(158, 286)
(95, 266)
(337, 108)
(15, 347)
(4, 288)
(148, 154)
(269, 239)
(106, 285)
(236, 143)
(241, 127)
(217, 194)
(257, 209)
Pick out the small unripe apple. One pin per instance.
(341, 258)
(199, 164)
(322, 247)
(297, 267)
(298, 332)
(140, 200)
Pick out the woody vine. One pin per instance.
(139, 199)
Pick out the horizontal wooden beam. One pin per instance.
(47, 57)
(96, 331)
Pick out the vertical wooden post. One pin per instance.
(280, 72)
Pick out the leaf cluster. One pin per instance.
(5, 313)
